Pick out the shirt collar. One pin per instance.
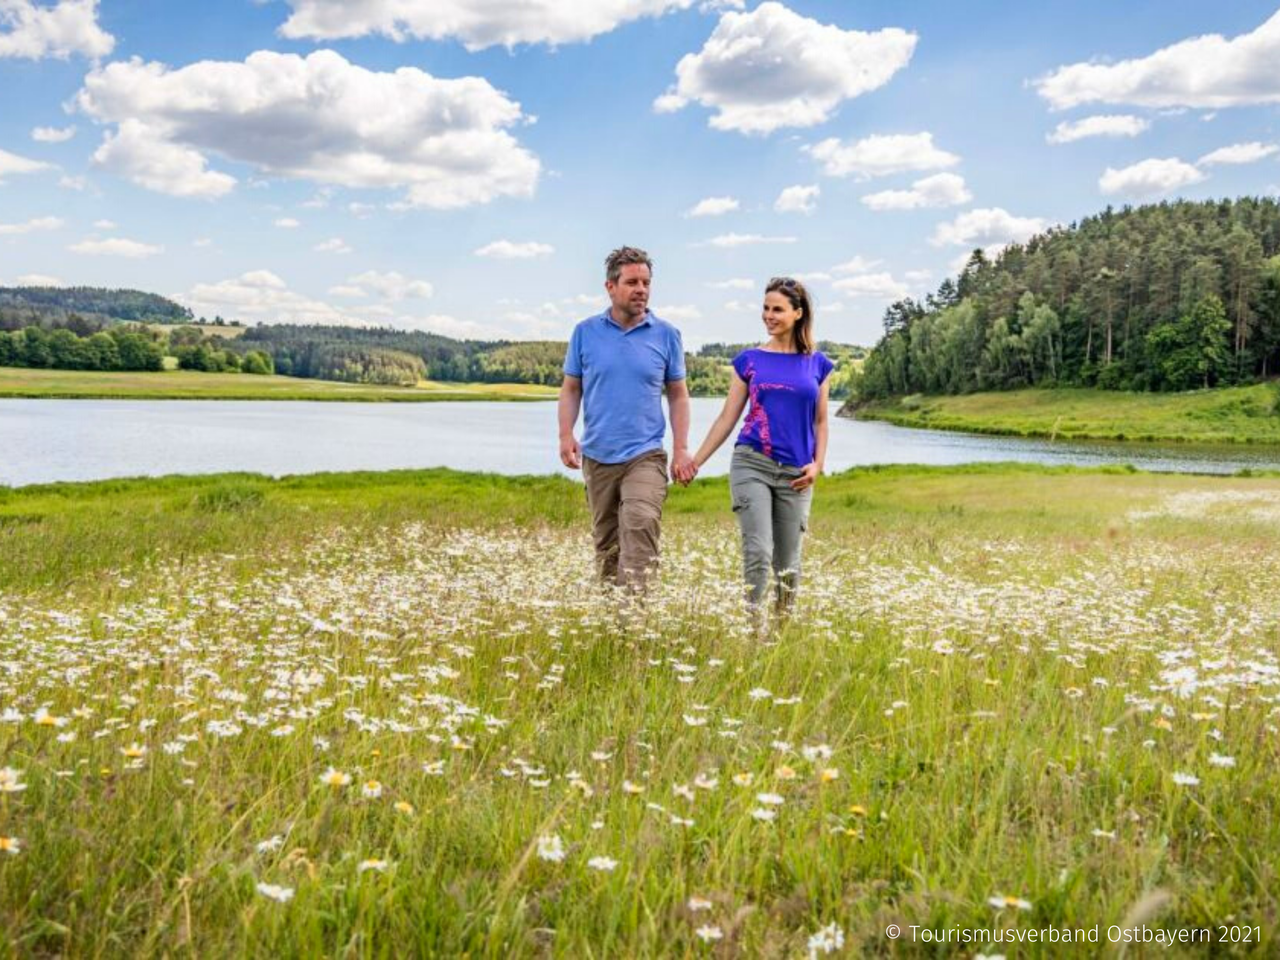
(607, 317)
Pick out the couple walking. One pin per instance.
(615, 371)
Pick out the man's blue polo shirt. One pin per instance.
(623, 373)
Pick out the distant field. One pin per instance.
(190, 385)
(1231, 415)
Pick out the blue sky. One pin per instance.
(463, 166)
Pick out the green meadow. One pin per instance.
(194, 385)
(1225, 415)
(388, 714)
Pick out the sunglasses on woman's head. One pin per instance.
(785, 283)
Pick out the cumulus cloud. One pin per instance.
(332, 245)
(1238, 153)
(939, 190)
(730, 240)
(53, 134)
(115, 247)
(389, 286)
(319, 117)
(873, 286)
(287, 223)
(797, 199)
(32, 32)
(679, 313)
(879, 155)
(985, 226)
(39, 223)
(1107, 125)
(737, 283)
(477, 23)
(858, 264)
(772, 68)
(263, 297)
(507, 250)
(12, 163)
(1150, 178)
(1208, 71)
(713, 207)
(37, 280)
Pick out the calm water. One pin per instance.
(48, 440)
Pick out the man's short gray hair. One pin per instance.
(620, 258)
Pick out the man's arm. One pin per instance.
(682, 465)
(567, 408)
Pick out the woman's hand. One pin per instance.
(808, 477)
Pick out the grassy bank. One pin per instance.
(192, 385)
(1012, 698)
(1232, 415)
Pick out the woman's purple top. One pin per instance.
(783, 389)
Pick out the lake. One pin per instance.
(49, 440)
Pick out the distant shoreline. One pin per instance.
(20, 383)
(1223, 416)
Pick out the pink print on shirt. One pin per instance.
(757, 422)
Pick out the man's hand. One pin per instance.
(683, 468)
(570, 452)
(808, 477)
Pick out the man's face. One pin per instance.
(630, 292)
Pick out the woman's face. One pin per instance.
(779, 315)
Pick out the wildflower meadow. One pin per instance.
(385, 715)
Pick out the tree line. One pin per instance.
(1171, 296)
(55, 302)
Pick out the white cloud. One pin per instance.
(390, 286)
(1107, 125)
(814, 276)
(731, 240)
(939, 190)
(53, 134)
(332, 245)
(261, 296)
(317, 118)
(345, 290)
(874, 286)
(713, 207)
(116, 247)
(739, 306)
(104, 224)
(476, 23)
(202, 242)
(33, 32)
(985, 226)
(143, 155)
(73, 183)
(507, 250)
(359, 210)
(37, 280)
(1150, 177)
(772, 68)
(918, 276)
(858, 264)
(39, 223)
(288, 223)
(1239, 153)
(679, 313)
(737, 283)
(1208, 71)
(797, 199)
(12, 163)
(836, 307)
(879, 155)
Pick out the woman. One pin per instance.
(783, 442)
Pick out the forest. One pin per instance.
(1173, 296)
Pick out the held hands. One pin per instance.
(808, 477)
(683, 468)
(570, 452)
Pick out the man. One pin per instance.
(616, 368)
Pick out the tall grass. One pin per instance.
(991, 688)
